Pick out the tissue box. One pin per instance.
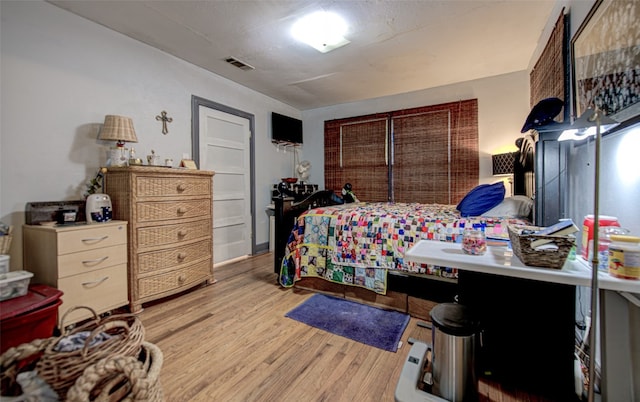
(14, 284)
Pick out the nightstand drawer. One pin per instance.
(180, 278)
(173, 186)
(102, 289)
(88, 238)
(90, 260)
(153, 211)
(167, 258)
(153, 236)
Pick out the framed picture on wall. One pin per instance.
(605, 54)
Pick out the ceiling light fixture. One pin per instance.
(324, 31)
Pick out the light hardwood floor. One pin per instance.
(230, 341)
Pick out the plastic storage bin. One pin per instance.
(4, 263)
(14, 284)
(29, 317)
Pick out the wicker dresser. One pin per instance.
(170, 228)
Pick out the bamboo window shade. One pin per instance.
(427, 154)
(549, 75)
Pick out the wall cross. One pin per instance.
(163, 117)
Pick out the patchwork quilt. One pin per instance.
(356, 244)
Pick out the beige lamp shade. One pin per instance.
(118, 128)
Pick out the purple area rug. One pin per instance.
(369, 325)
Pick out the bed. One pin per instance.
(362, 245)
(358, 244)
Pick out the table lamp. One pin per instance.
(503, 166)
(592, 122)
(119, 129)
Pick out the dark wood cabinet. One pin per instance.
(550, 178)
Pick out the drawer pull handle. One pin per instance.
(182, 233)
(182, 210)
(181, 187)
(93, 283)
(95, 239)
(182, 256)
(96, 261)
(181, 278)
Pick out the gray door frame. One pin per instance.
(196, 102)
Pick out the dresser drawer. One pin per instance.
(162, 259)
(103, 289)
(90, 260)
(153, 211)
(169, 186)
(89, 238)
(153, 236)
(174, 280)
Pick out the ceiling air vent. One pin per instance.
(240, 64)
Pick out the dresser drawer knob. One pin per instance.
(95, 283)
(96, 261)
(182, 233)
(181, 187)
(182, 256)
(181, 278)
(182, 210)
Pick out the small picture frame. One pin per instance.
(189, 164)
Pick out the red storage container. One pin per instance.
(29, 317)
(587, 231)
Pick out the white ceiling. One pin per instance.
(396, 46)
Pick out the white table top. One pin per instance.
(499, 260)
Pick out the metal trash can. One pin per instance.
(454, 335)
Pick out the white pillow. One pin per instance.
(518, 206)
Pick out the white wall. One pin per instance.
(503, 106)
(61, 74)
(619, 178)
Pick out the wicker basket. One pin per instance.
(119, 378)
(19, 359)
(545, 258)
(5, 243)
(61, 369)
(114, 378)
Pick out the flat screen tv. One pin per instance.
(285, 129)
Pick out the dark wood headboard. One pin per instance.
(523, 169)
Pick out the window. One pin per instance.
(427, 154)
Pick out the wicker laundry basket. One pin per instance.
(5, 243)
(122, 378)
(61, 369)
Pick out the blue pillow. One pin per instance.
(481, 199)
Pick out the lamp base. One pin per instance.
(118, 156)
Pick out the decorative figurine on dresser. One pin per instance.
(170, 228)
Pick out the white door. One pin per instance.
(225, 148)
